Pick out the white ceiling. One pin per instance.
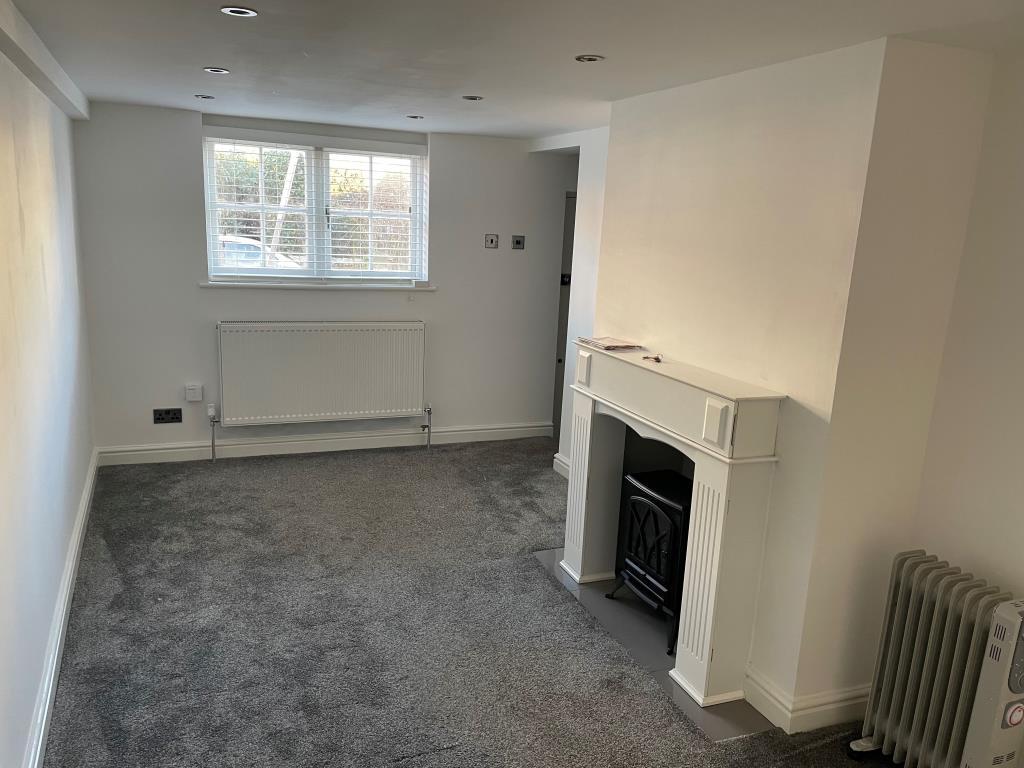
(371, 63)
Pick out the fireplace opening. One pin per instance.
(654, 515)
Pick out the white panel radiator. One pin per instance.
(283, 372)
(945, 632)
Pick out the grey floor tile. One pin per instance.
(643, 633)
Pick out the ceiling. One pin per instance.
(372, 63)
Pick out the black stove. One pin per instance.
(653, 525)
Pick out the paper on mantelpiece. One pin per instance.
(608, 343)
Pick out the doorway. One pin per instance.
(564, 288)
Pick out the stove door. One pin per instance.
(651, 547)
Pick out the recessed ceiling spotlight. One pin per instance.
(415, 117)
(217, 70)
(586, 58)
(239, 11)
(473, 98)
(205, 96)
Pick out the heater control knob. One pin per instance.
(1014, 715)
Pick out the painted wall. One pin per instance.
(490, 323)
(45, 439)
(921, 179)
(590, 195)
(970, 510)
(731, 215)
(800, 226)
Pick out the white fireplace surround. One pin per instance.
(728, 429)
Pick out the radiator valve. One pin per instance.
(428, 411)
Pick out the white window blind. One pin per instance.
(284, 212)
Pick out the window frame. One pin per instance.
(416, 215)
(319, 211)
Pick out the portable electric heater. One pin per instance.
(996, 733)
(948, 690)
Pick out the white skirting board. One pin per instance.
(40, 727)
(561, 465)
(804, 713)
(235, 447)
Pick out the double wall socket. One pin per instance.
(167, 415)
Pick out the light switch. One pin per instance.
(583, 368)
(716, 416)
(193, 393)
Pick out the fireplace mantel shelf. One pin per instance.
(699, 378)
(731, 419)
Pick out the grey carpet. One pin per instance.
(372, 608)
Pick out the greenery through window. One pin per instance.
(278, 212)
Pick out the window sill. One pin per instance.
(422, 287)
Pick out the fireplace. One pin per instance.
(727, 430)
(653, 524)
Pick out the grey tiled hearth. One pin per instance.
(643, 634)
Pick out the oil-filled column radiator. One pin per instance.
(948, 690)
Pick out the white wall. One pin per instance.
(921, 178)
(45, 439)
(731, 216)
(590, 192)
(490, 323)
(971, 508)
(800, 226)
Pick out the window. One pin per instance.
(289, 213)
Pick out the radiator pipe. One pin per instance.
(428, 427)
(211, 412)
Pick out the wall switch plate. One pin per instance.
(193, 393)
(518, 242)
(490, 241)
(167, 415)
